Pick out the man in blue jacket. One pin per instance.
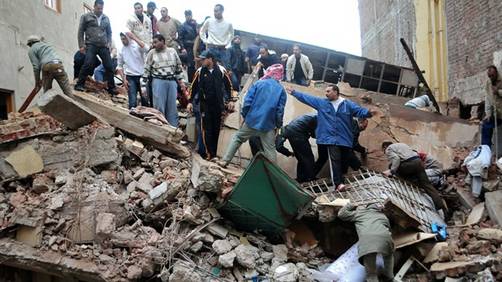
(263, 110)
(334, 126)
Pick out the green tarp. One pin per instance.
(265, 199)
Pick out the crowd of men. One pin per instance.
(159, 57)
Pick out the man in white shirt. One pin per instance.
(140, 26)
(217, 34)
(130, 67)
(299, 68)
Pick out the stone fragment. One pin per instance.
(266, 256)
(247, 255)
(134, 272)
(221, 246)
(25, 161)
(17, 199)
(196, 247)
(145, 182)
(131, 187)
(109, 176)
(227, 260)
(206, 176)
(491, 234)
(105, 224)
(493, 203)
(61, 179)
(128, 177)
(138, 173)
(286, 273)
(184, 273)
(280, 252)
(103, 149)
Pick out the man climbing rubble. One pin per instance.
(334, 127)
(44, 59)
(493, 105)
(211, 96)
(405, 163)
(263, 111)
(373, 230)
(433, 169)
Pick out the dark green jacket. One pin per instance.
(373, 229)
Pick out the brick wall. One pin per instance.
(383, 23)
(474, 37)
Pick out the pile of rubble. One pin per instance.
(102, 195)
(120, 209)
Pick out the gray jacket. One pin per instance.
(95, 34)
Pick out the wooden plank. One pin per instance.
(165, 138)
(399, 216)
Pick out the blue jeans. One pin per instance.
(301, 81)
(165, 93)
(135, 88)
(99, 73)
(221, 55)
(487, 131)
(236, 80)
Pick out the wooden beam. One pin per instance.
(165, 138)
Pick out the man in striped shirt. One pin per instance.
(164, 66)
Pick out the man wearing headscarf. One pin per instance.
(262, 111)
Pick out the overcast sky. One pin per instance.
(332, 24)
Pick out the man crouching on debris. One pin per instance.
(373, 230)
(334, 127)
(405, 163)
(263, 111)
(44, 59)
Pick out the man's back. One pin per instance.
(41, 53)
(264, 105)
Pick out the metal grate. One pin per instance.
(366, 187)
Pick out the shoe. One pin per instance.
(222, 163)
(214, 160)
(79, 88)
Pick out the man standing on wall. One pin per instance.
(131, 61)
(168, 27)
(44, 59)
(299, 69)
(150, 9)
(95, 38)
(140, 26)
(164, 66)
(493, 105)
(217, 33)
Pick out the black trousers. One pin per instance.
(351, 160)
(414, 171)
(338, 155)
(303, 153)
(210, 127)
(87, 69)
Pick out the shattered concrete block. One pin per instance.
(17, 199)
(25, 161)
(145, 182)
(266, 256)
(222, 246)
(492, 234)
(227, 260)
(138, 173)
(247, 255)
(61, 179)
(105, 224)
(64, 109)
(134, 272)
(131, 187)
(184, 273)
(493, 203)
(206, 176)
(41, 183)
(217, 230)
(280, 252)
(195, 248)
(476, 214)
(57, 201)
(82, 229)
(286, 273)
(128, 177)
(31, 236)
(109, 176)
(104, 149)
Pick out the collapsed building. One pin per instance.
(91, 192)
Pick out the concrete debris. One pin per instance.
(227, 260)
(64, 109)
(221, 246)
(95, 204)
(247, 255)
(25, 161)
(493, 202)
(286, 273)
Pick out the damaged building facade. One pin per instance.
(453, 41)
(20, 19)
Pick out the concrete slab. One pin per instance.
(64, 109)
(493, 202)
(25, 161)
(476, 214)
